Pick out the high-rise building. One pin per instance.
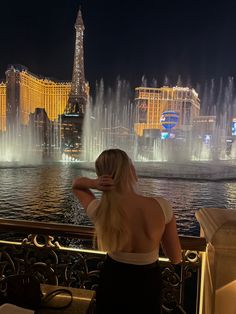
(29, 109)
(72, 119)
(26, 91)
(2, 106)
(158, 105)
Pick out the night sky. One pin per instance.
(129, 39)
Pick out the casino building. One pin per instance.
(2, 106)
(30, 107)
(159, 106)
(23, 92)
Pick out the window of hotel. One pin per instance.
(188, 113)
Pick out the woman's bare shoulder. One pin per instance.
(152, 210)
(149, 203)
(156, 200)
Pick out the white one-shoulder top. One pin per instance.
(135, 258)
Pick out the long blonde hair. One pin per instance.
(110, 220)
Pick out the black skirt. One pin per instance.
(129, 289)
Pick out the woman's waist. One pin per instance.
(113, 264)
(135, 258)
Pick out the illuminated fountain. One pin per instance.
(109, 121)
(33, 143)
(16, 145)
(111, 117)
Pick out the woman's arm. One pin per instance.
(170, 242)
(81, 188)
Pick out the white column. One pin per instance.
(218, 226)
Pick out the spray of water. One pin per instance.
(109, 123)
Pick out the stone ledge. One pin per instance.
(219, 226)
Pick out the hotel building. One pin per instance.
(23, 92)
(2, 106)
(153, 102)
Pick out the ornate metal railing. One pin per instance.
(62, 254)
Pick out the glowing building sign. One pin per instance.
(167, 135)
(234, 127)
(207, 138)
(169, 119)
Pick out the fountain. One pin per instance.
(109, 122)
(111, 116)
(32, 143)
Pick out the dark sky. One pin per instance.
(194, 39)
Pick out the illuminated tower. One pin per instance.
(72, 119)
(77, 98)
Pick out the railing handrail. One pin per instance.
(48, 228)
(78, 231)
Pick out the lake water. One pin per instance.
(43, 193)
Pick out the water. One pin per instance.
(109, 122)
(43, 193)
(112, 114)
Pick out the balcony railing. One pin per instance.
(62, 254)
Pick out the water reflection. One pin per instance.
(43, 193)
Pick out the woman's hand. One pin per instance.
(81, 188)
(104, 183)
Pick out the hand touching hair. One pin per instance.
(105, 183)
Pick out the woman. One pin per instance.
(130, 228)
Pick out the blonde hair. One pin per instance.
(110, 220)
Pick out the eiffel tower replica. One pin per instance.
(72, 119)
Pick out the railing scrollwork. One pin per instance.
(42, 255)
(47, 241)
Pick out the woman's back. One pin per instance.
(145, 223)
(124, 220)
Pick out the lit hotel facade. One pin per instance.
(2, 106)
(153, 102)
(23, 92)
